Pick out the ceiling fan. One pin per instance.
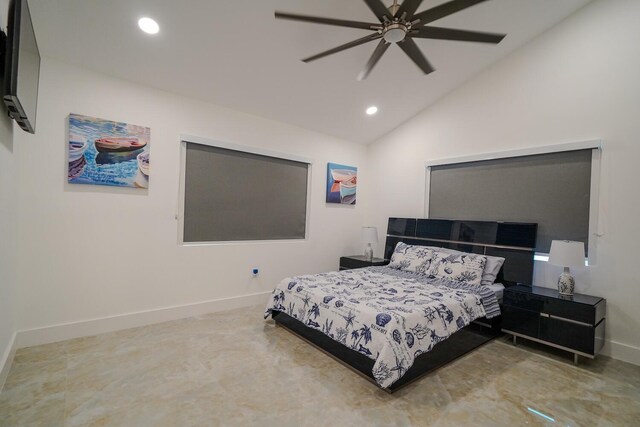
(400, 24)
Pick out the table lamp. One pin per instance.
(566, 253)
(369, 236)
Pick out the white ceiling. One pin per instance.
(234, 53)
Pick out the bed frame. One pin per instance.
(513, 241)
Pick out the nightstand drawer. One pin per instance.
(522, 321)
(357, 261)
(348, 263)
(565, 308)
(573, 336)
(523, 300)
(568, 310)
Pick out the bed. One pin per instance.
(395, 323)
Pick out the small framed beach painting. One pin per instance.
(103, 152)
(341, 184)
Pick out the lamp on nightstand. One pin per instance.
(566, 253)
(369, 236)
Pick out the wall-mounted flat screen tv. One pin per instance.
(22, 67)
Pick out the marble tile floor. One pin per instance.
(233, 369)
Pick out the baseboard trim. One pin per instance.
(83, 328)
(65, 331)
(7, 360)
(620, 351)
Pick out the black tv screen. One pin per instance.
(22, 68)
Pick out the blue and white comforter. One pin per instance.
(387, 315)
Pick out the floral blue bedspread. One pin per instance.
(389, 317)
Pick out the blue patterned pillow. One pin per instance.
(460, 266)
(416, 259)
(491, 268)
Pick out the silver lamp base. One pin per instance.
(368, 253)
(566, 283)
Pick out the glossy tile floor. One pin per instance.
(233, 368)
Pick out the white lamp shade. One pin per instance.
(369, 235)
(567, 253)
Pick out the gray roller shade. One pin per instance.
(551, 189)
(232, 195)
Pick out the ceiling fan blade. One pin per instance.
(459, 35)
(345, 46)
(444, 9)
(327, 21)
(411, 49)
(379, 9)
(409, 7)
(373, 60)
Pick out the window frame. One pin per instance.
(596, 146)
(185, 138)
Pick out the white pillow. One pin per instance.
(458, 266)
(491, 269)
(416, 259)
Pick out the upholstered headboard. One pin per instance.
(514, 241)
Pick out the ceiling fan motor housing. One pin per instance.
(394, 33)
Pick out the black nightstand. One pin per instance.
(574, 324)
(359, 261)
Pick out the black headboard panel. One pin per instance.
(514, 241)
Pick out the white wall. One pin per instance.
(577, 82)
(88, 252)
(8, 225)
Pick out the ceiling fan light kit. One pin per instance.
(394, 33)
(400, 24)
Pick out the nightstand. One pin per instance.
(359, 261)
(575, 324)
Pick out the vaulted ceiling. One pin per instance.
(235, 54)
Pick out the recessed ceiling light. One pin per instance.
(372, 110)
(148, 25)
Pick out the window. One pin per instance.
(553, 188)
(232, 194)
